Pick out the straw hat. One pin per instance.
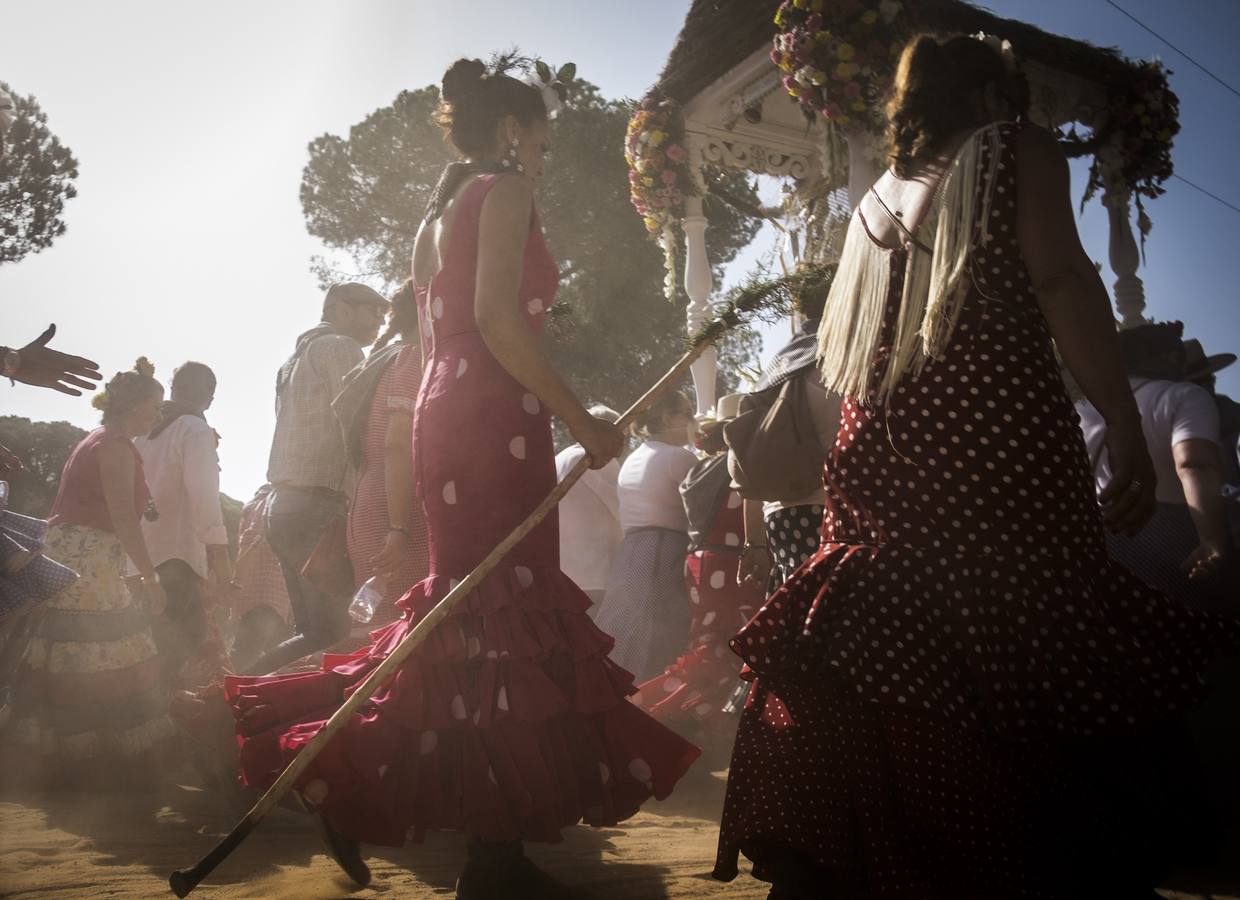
(1198, 365)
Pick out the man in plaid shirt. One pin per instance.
(308, 467)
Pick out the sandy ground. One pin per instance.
(122, 845)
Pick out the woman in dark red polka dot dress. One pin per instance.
(927, 685)
(510, 723)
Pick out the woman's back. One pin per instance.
(649, 486)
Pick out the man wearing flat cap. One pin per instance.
(308, 467)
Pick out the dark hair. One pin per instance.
(126, 390)
(1154, 350)
(195, 379)
(652, 419)
(474, 100)
(931, 91)
(404, 318)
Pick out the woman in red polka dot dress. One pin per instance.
(930, 688)
(510, 723)
(690, 695)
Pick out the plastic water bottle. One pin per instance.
(366, 600)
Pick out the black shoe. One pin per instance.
(345, 851)
(500, 870)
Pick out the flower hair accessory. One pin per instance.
(552, 85)
(1001, 46)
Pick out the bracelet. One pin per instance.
(747, 546)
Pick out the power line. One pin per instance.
(1212, 196)
(1173, 47)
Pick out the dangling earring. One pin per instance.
(511, 160)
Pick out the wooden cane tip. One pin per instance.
(180, 883)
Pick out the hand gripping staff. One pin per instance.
(754, 296)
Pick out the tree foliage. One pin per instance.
(365, 195)
(36, 175)
(44, 448)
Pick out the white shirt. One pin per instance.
(183, 473)
(1171, 412)
(649, 486)
(589, 520)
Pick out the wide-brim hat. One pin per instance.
(728, 407)
(1198, 365)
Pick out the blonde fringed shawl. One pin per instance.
(935, 285)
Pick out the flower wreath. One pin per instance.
(838, 58)
(1132, 147)
(659, 174)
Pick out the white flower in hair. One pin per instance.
(552, 85)
(1001, 46)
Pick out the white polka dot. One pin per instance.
(530, 404)
(534, 306)
(449, 493)
(458, 708)
(475, 647)
(732, 539)
(462, 365)
(517, 447)
(501, 699)
(694, 596)
(525, 577)
(604, 773)
(383, 770)
(734, 500)
(640, 770)
(708, 618)
(437, 307)
(717, 579)
(428, 742)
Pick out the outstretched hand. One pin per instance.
(42, 366)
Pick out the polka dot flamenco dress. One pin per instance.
(916, 681)
(690, 695)
(509, 722)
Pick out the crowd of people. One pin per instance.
(941, 625)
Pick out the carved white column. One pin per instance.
(1124, 258)
(698, 285)
(862, 172)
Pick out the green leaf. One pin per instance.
(543, 70)
(567, 73)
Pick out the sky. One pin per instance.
(191, 122)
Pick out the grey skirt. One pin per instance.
(646, 607)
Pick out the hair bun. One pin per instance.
(144, 367)
(462, 79)
(100, 401)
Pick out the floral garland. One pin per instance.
(659, 175)
(1132, 148)
(838, 60)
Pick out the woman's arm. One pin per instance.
(755, 562)
(398, 486)
(1200, 470)
(1077, 310)
(116, 472)
(502, 234)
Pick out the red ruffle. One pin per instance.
(1030, 645)
(508, 722)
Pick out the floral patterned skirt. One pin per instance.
(88, 685)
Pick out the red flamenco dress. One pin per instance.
(509, 722)
(956, 693)
(691, 694)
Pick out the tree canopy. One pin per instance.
(44, 448)
(36, 175)
(366, 194)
